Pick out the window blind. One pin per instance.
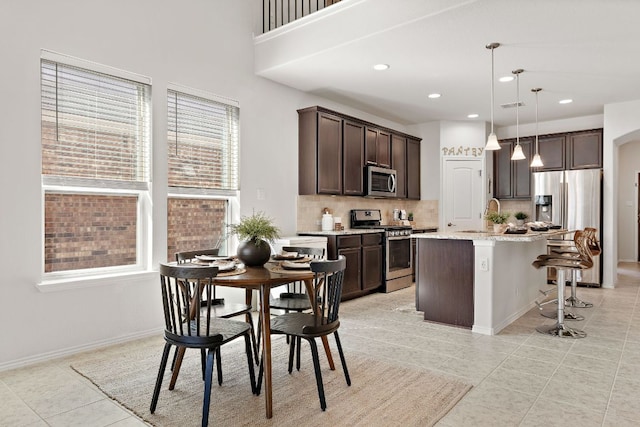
(203, 142)
(95, 126)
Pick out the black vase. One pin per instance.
(254, 253)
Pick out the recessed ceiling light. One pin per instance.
(381, 67)
(473, 116)
(565, 101)
(434, 95)
(505, 79)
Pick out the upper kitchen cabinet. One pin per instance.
(405, 159)
(584, 150)
(353, 158)
(573, 150)
(399, 163)
(334, 150)
(319, 152)
(413, 169)
(552, 152)
(512, 178)
(378, 147)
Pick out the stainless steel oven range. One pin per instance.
(397, 247)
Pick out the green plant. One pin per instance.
(257, 227)
(521, 216)
(497, 217)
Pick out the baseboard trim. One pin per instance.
(57, 354)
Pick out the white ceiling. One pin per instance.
(586, 50)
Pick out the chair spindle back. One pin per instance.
(188, 304)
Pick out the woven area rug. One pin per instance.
(380, 395)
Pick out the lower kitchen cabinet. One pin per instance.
(364, 256)
(371, 261)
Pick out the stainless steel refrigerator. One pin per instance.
(573, 200)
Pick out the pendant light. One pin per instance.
(518, 154)
(492, 141)
(537, 161)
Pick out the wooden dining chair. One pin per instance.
(322, 321)
(189, 324)
(294, 298)
(220, 307)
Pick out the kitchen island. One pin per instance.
(478, 280)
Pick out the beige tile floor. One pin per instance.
(520, 377)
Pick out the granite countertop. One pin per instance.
(530, 236)
(343, 232)
(428, 228)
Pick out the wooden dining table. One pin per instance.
(263, 279)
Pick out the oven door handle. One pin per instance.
(399, 238)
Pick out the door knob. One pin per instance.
(451, 225)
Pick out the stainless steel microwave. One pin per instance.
(381, 182)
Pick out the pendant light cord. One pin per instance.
(517, 109)
(492, 91)
(537, 152)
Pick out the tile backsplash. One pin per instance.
(513, 206)
(310, 209)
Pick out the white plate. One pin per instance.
(224, 265)
(295, 265)
(210, 258)
(290, 256)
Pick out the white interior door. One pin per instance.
(463, 195)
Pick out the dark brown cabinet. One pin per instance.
(351, 281)
(378, 147)
(414, 253)
(413, 169)
(319, 152)
(363, 253)
(334, 149)
(573, 150)
(399, 163)
(502, 171)
(371, 261)
(353, 158)
(521, 178)
(552, 152)
(512, 178)
(445, 281)
(584, 150)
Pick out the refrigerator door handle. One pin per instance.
(565, 202)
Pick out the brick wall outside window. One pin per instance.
(89, 231)
(194, 224)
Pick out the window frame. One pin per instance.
(232, 197)
(51, 184)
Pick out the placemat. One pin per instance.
(232, 272)
(277, 268)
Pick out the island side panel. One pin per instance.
(444, 281)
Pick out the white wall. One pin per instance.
(204, 44)
(621, 125)
(552, 126)
(628, 170)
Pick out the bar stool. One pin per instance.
(594, 248)
(551, 313)
(562, 263)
